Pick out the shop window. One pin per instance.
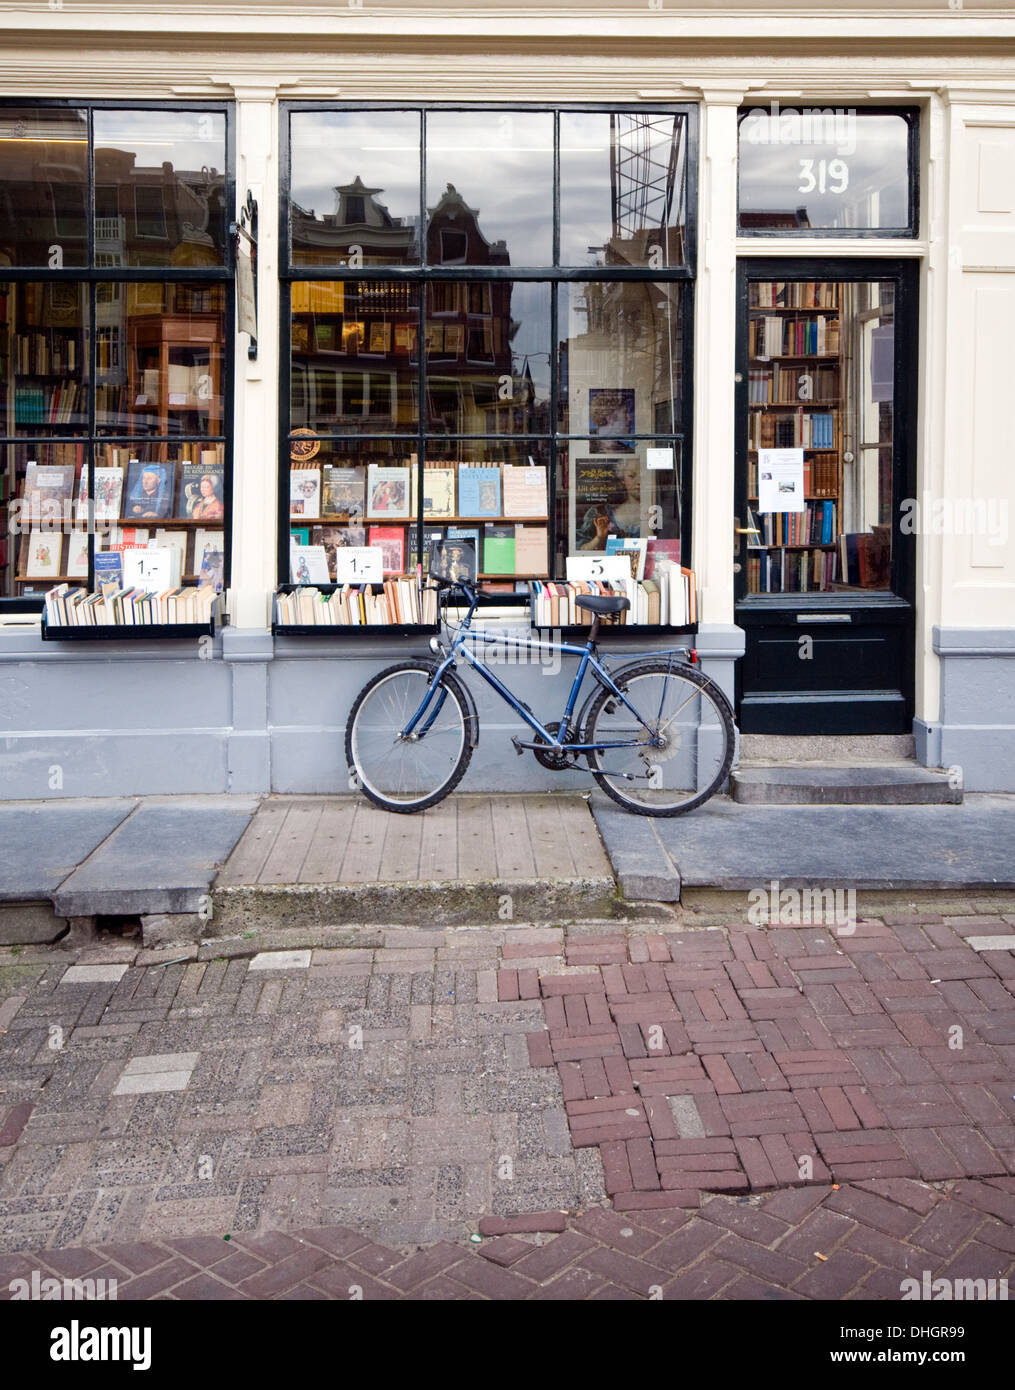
(112, 414)
(486, 397)
(830, 170)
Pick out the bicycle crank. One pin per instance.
(557, 760)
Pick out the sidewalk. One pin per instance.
(771, 1113)
(197, 866)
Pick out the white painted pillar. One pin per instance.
(255, 413)
(715, 353)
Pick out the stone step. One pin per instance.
(837, 784)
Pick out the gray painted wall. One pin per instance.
(976, 728)
(246, 712)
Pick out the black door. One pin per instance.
(826, 389)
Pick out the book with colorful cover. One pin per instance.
(387, 491)
(304, 492)
(344, 493)
(391, 541)
(478, 491)
(149, 490)
(438, 492)
(498, 550)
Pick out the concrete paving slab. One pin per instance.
(644, 870)
(160, 859)
(93, 974)
(45, 841)
(729, 846)
(825, 784)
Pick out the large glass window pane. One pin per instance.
(43, 187)
(355, 187)
(492, 495)
(349, 493)
(167, 495)
(489, 188)
(621, 361)
(627, 498)
(163, 182)
(820, 432)
(159, 352)
(488, 357)
(40, 544)
(354, 356)
(44, 338)
(808, 169)
(623, 189)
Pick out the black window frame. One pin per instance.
(553, 276)
(912, 116)
(93, 275)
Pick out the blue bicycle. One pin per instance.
(657, 735)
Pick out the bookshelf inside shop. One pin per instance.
(158, 371)
(796, 385)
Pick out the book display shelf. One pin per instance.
(795, 394)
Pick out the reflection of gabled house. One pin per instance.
(453, 236)
(358, 220)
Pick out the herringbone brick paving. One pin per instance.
(821, 1242)
(847, 1096)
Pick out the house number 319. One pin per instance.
(826, 175)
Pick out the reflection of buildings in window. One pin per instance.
(626, 336)
(360, 220)
(775, 221)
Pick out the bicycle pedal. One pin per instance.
(517, 746)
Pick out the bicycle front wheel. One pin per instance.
(678, 757)
(409, 773)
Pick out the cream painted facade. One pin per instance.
(957, 64)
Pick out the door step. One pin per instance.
(841, 784)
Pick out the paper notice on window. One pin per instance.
(780, 480)
(659, 458)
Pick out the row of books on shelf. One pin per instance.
(669, 599)
(48, 405)
(45, 354)
(794, 294)
(815, 525)
(821, 476)
(398, 601)
(513, 549)
(113, 606)
(777, 385)
(449, 490)
(191, 491)
(860, 559)
(796, 429)
(775, 336)
(52, 555)
(792, 571)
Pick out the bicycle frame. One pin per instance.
(587, 660)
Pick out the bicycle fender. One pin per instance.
(472, 718)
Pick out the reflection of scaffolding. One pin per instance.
(647, 157)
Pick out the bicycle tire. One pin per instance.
(366, 778)
(706, 690)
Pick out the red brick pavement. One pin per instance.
(818, 1242)
(742, 1060)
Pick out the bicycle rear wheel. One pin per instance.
(409, 774)
(683, 755)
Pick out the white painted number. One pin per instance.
(826, 175)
